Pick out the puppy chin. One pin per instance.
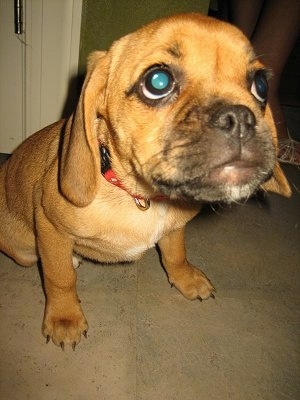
(226, 184)
(222, 193)
(238, 193)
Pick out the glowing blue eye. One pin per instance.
(160, 80)
(157, 84)
(259, 87)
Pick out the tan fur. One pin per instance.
(54, 200)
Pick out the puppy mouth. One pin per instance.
(234, 173)
(227, 182)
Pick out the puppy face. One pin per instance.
(183, 110)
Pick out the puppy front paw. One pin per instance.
(192, 283)
(64, 329)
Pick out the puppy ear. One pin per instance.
(278, 183)
(79, 162)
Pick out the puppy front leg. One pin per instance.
(189, 280)
(64, 321)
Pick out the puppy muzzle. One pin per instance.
(226, 156)
(237, 122)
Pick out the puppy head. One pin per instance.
(181, 105)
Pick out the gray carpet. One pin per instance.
(147, 342)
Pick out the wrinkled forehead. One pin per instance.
(197, 42)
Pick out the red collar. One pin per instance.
(143, 203)
(112, 178)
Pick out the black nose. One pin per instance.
(235, 121)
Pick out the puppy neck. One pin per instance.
(143, 203)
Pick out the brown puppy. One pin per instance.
(179, 112)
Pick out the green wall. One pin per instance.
(104, 21)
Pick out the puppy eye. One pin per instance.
(260, 87)
(157, 83)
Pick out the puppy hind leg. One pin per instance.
(77, 261)
(18, 242)
(189, 280)
(64, 320)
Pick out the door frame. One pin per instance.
(51, 44)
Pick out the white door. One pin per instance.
(36, 67)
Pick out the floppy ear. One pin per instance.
(80, 163)
(278, 183)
